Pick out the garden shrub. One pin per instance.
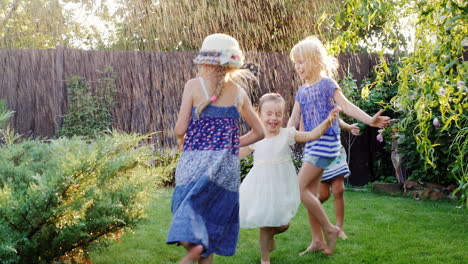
(62, 197)
(7, 134)
(89, 107)
(371, 101)
(165, 163)
(432, 94)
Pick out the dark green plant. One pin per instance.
(371, 101)
(165, 163)
(89, 108)
(62, 197)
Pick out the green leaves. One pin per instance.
(430, 80)
(63, 195)
(89, 112)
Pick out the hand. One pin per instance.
(354, 129)
(334, 114)
(379, 121)
(180, 143)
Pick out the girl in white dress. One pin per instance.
(269, 195)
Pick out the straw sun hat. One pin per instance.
(220, 49)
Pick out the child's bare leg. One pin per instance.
(309, 176)
(338, 194)
(193, 252)
(318, 242)
(324, 192)
(206, 260)
(265, 239)
(277, 230)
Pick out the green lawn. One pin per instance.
(381, 229)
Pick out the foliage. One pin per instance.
(42, 24)
(7, 134)
(89, 110)
(166, 164)
(5, 114)
(369, 25)
(62, 197)
(432, 95)
(246, 165)
(371, 101)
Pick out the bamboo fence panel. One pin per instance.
(149, 85)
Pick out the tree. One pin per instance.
(42, 24)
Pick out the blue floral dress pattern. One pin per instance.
(205, 203)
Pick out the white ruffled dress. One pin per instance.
(269, 195)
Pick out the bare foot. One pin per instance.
(313, 247)
(331, 237)
(193, 254)
(264, 261)
(342, 235)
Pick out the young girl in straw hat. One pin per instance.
(205, 203)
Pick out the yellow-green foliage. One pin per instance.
(64, 196)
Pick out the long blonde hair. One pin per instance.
(225, 75)
(313, 51)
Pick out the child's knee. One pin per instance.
(283, 228)
(324, 196)
(338, 191)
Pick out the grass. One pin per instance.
(381, 229)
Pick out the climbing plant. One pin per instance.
(431, 101)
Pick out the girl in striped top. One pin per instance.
(314, 100)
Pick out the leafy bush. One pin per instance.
(432, 94)
(165, 163)
(89, 108)
(371, 101)
(62, 197)
(7, 134)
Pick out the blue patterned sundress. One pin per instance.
(205, 203)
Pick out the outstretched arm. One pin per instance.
(317, 132)
(353, 129)
(251, 117)
(352, 110)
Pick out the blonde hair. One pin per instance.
(226, 75)
(313, 51)
(271, 97)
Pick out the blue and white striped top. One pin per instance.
(316, 102)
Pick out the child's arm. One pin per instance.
(319, 130)
(294, 120)
(185, 114)
(351, 110)
(251, 117)
(244, 152)
(353, 129)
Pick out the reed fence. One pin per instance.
(148, 85)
